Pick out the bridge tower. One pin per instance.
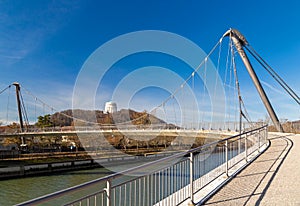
(18, 88)
(240, 41)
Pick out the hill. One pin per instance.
(80, 117)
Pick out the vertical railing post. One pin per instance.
(266, 130)
(246, 152)
(191, 177)
(239, 144)
(259, 139)
(226, 157)
(108, 192)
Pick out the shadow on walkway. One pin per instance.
(251, 184)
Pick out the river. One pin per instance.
(18, 190)
(14, 191)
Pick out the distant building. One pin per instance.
(110, 107)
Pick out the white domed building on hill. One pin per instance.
(110, 107)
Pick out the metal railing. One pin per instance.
(104, 128)
(168, 181)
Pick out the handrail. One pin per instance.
(128, 171)
(97, 128)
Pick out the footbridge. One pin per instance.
(241, 166)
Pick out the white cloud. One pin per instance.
(274, 89)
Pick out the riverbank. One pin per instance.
(45, 168)
(32, 164)
(19, 168)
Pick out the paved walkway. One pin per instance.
(272, 179)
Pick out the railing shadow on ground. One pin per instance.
(258, 182)
(276, 170)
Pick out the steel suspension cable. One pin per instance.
(7, 106)
(5, 89)
(24, 112)
(203, 95)
(271, 71)
(241, 102)
(204, 61)
(160, 105)
(217, 73)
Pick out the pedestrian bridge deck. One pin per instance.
(272, 179)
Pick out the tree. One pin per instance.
(44, 121)
(11, 140)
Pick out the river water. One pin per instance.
(14, 191)
(18, 190)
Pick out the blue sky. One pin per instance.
(43, 44)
